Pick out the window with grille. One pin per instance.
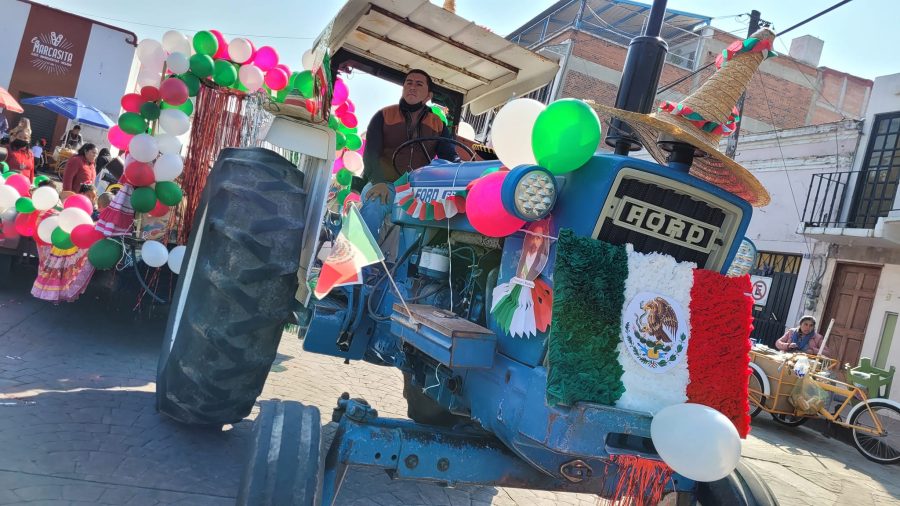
(880, 172)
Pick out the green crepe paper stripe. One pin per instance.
(429, 211)
(402, 181)
(588, 294)
(506, 308)
(408, 204)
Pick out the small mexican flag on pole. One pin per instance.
(353, 249)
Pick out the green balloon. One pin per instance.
(354, 142)
(281, 95)
(304, 83)
(192, 82)
(206, 43)
(333, 122)
(202, 66)
(168, 192)
(61, 239)
(40, 179)
(340, 140)
(224, 73)
(105, 254)
(344, 177)
(4, 167)
(187, 107)
(132, 123)
(440, 114)
(565, 136)
(143, 199)
(24, 205)
(150, 111)
(342, 196)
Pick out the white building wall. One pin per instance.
(13, 16)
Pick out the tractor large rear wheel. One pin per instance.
(235, 292)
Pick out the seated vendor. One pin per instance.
(388, 129)
(804, 338)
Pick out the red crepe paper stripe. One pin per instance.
(542, 299)
(719, 350)
(439, 213)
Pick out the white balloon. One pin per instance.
(511, 131)
(150, 53)
(149, 77)
(309, 59)
(178, 63)
(465, 131)
(354, 162)
(72, 217)
(46, 228)
(8, 196)
(8, 216)
(174, 41)
(45, 198)
(174, 121)
(240, 50)
(251, 76)
(696, 441)
(168, 167)
(168, 144)
(154, 254)
(176, 256)
(143, 147)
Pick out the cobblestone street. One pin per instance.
(78, 425)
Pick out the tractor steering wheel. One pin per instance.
(421, 143)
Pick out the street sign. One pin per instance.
(759, 289)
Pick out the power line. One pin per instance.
(708, 65)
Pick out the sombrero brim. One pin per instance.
(289, 108)
(715, 167)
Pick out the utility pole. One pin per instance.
(733, 138)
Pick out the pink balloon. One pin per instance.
(222, 52)
(174, 91)
(84, 236)
(351, 107)
(349, 120)
(276, 79)
(132, 102)
(338, 164)
(484, 208)
(79, 201)
(118, 138)
(19, 183)
(285, 68)
(150, 93)
(340, 92)
(160, 210)
(266, 58)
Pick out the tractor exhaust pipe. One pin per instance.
(640, 78)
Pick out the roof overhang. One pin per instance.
(484, 68)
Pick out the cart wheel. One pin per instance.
(235, 291)
(283, 463)
(884, 449)
(743, 487)
(790, 420)
(756, 383)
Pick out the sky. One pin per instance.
(858, 36)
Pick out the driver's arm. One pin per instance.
(446, 150)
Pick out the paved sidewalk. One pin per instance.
(78, 425)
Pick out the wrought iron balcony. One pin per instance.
(851, 199)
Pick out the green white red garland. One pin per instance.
(751, 45)
(437, 209)
(723, 129)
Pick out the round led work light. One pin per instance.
(529, 192)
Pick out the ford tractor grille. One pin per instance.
(658, 215)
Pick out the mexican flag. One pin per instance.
(643, 331)
(353, 249)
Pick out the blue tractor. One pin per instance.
(476, 395)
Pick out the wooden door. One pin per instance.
(850, 304)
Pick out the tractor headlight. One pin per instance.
(529, 192)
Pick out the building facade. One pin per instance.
(51, 52)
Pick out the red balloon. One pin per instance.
(132, 102)
(84, 236)
(350, 106)
(174, 91)
(19, 183)
(140, 174)
(26, 224)
(484, 207)
(160, 210)
(79, 201)
(341, 110)
(150, 94)
(311, 107)
(285, 68)
(222, 52)
(349, 120)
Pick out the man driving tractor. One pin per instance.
(389, 128)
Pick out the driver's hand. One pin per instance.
(379, 191)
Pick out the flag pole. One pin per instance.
(400, 295)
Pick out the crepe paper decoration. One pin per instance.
(434, 210)
(718, 357)
(750, 45)
(638, 480)
(723, 129)
(515, 303)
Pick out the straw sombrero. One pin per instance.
(706, 116)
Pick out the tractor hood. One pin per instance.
(486, 69)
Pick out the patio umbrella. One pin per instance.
(73, 109)
(8, 102)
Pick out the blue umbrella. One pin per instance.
(73, 109)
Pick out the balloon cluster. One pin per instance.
(155, 254)
(560, 137)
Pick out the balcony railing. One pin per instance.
(850, 199)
